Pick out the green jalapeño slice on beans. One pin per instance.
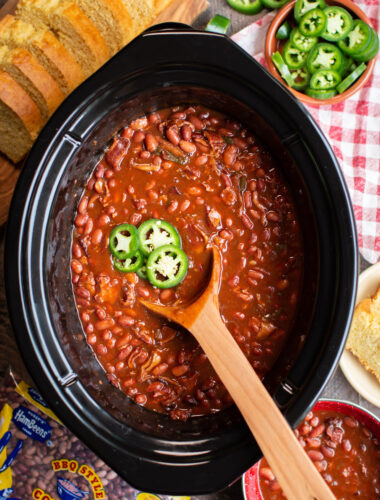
(246, 6)
(325, 56)
(166, 266)
(313, 22)
(129, 265)
(338, 24)
(123, 241)
(155, 233)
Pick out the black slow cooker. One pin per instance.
(168, 65)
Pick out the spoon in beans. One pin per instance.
(294, 470)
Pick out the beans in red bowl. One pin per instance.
(217, 184)
(156, 72)
(343, 441)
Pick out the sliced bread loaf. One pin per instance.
(71, 26)
(46, 48)
(34, 79)
(20, 119)
(364, 337)
(142, 13)
(112, 20)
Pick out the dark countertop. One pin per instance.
(338, 387)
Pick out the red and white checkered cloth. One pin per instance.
(353, 128)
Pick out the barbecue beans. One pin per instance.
(214, 181)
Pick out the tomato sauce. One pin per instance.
(217, 184)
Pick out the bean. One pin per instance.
(106, 335)
(139, 123)
(173, 205)
(92, 339)
(315, 420)
(89, 328)
(143, 292)
(119, 366)
(103, 220)
(266, 473)
(246, 221)
(346, 445)
(200, 160)
(240, 142)
(99, 171)
(225, 132)
(173, 136)
(317, 431)
(184, 205)
(305, 429)
(140, 399)
(198, 124)
(282, 285)
(125, 321)
(124, 353)
(76, 266)
(104, 324)
(99, 186)
(257, 275)
(97, 237)
(350, 422)
(128, 382)
(151, 143)
(138, 137)
(309, 416)
(238, 315)
(160, 369)
(101, 313)
(88, 227)
(313, 442)
(152, 195)
(80, 220)
(179, 370)
(327, 451)
(233, 281)
(229, 155)
(247, 199)
(194, 190)
(321, 465)
(144, 155)
(101, 350)
(82, 292)
(166, 295)
(187, 147)
(82, 207)
(273, 216)
(242, 263)
(315, 455)
(123, 341)
(154, 386)
(154, 118)
(252, 185)
(260, 172)
(186, 132)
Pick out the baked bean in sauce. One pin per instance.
(345, 452)
(217, 184)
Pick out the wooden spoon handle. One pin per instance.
(294, 470)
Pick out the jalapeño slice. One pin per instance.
(301, 78)
(142, 271)
(302, 42)
(325, 56)
(293, 57)
(218, 24)
(282, 68)
(123, 241)
(283, 31)
(246, 6)
(358, 40)
(129, 265)
(325, 79)
(274, 4)
(303, 6)
(154, 233)
(320, 94)
(166, 266)
(313, 22)
(351, 78)
(338, 24)
(371, 51)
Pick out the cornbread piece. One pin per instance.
(20, 119)
(72, 28)
(161, 5)
(45, 47)
(112, 20)
(33, 78)
(364, 337)
(141, 12)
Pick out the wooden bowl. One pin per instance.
(271, 45)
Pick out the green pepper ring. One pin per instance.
(133, 244)
(120, 264)
(151, 224)
(305, 19)
(153, 262)
(347, 17)
(320, 94)
(246, 8)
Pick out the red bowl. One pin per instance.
(251, 486)
(271, 46)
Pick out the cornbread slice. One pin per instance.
(20, 119)
(112, 20)
(142, 13)
(364, 337)
(45, 47)
(33, 78)
(161, 5)
(72, 28)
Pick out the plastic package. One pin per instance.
(42, 460)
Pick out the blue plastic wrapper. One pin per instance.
(40, 459)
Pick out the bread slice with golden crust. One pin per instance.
(142, 13)
(112, 20)
(33, 78)
(20, 119)
(46, 48)
(161, 5)
(364, 337)
(72, 28)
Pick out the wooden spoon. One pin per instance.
(294, 470)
